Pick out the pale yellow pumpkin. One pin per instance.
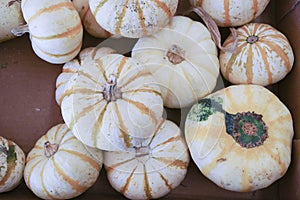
(227, 13)
(88, 19)
(263, 56)
(113, 104)
(183, 59)
(55, 29)
(59, 166)
(151, 169)
(12, 162)
(133, 18)
(70, 69)
(240, 137)
(11, 17)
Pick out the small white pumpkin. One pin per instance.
(133, 18)
(55, 29)
(12, 163)
(11, 17)
(59, 166)
(70, 69)
(183, 59)
(227, 13)
(151, 169)
(113, 103)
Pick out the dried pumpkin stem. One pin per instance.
(111, 92)
(19, 31)
(252, 39)
(142, 151)
(176, 54)
(50, 149)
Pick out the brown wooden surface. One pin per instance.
(28, 109)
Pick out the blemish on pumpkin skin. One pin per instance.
(220, 160)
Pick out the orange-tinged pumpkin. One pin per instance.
(133, 18)
(59, 166)
(151, 169)
(55, 29)
(240, 137)
(263, 56)
(227, 13)
(12, 163)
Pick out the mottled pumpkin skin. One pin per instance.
(183, 59)
(70, 69)
(221, 158)
(55, 29)
(72, 170)
(263, 56)
(133, 18)
(112, 122)
(12, 163)
(11, 17)
(152, 171)
(227, 13)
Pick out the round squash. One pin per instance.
(240, 137)
(70, 69)
(184, 63)
(151, 169)
(113, 104)
(12, 163)
(55, 29)
(228, 13)
(263, 56)
(88, 20)
(60, 167)
(133, 19)
(11, 17)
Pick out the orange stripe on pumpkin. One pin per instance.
(171, 162)
(100, 5)
(141, 17)
(98, 125)
(164, 7)
(30, 171)
(147, 188)
(124, 188)
(120, 19)
(227, 21)
(264, 57)
(121, 65)
(249, 64)
(113, 167)
(255, 8)
(43, 182)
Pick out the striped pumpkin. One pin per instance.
(88, 20)
(11, 17)
(152, 169)
(183, 59)
(133, 18)
(12, 162)
(113, 104)
(263, 56)
(70, 69)
(55, 29)
(60, 167)
(240, 137)
(227, 13)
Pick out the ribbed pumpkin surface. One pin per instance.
(68, 173)
(240, 137)
(55, 29)
(229, 13)
(183, 59)
(133, 18)
(264, 56)
(153, 168)
(113, 104)
(12, 162)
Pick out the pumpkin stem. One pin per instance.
(50, 149)
(19, 31)
(143, 153)
(175, 54)
(111, 92)
(252, 39)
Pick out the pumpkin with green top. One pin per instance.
(12, 162)
(240, 137)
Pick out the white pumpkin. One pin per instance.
(113, 103)
(133, 18)
(59, 166)
(11, 17)
(55, 29)
(183, 59)
(151, 169)
(12, 163)
(70, 69)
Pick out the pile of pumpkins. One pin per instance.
(112, 105)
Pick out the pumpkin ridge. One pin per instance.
(114, 166)
(164, 7)
(96, 127)
(75, 185)
(30, 171)
(249, 64)
(121, 65)
(55, 135)
(43, 181)
(120, 19)
(102, 70)
(89, 76)
(123, 129)
(160, 125)
(100, 5)
(277, 159)
(188, 80)
(165, 180)
(141, 17)
(169, 140)
(146, 90)
(264, 57)
(140, 74)
(31, 158)
(147, 187)
(172, 162)
(127, 183)
(76, 91)
(68, 139)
